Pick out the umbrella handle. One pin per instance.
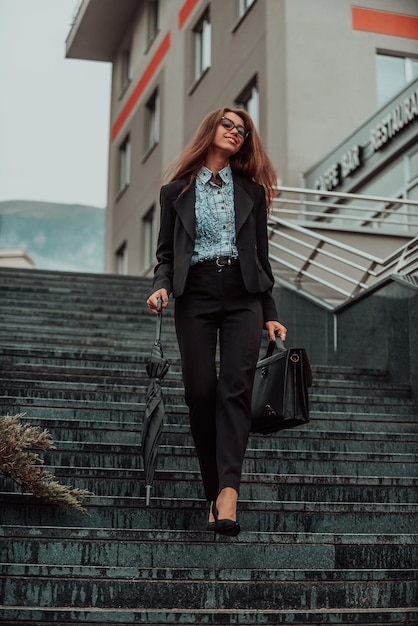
(159, 318)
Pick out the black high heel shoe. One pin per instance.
(224, 526)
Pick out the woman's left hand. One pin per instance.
(275, 329)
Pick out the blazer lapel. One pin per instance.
(185, 208)
(243, 205)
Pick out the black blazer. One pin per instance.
(177, 234)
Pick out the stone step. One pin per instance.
(86, 321)
(283, 488)
(76, 357)
(144, 548)
(148, 593)
(105, 482)
(174, 395)
(356, 425)
(101, 431)
(53, 357)
(129, 290)
(64, 616)
(201, 574)
(53, 374)
(321, 406)
(77, 335)
(105, 378)
(355, 374)
(64, 285)
(76, 304)
(113, 346)
(84, 294)
(191, 515)
(78, 317)
(31, 277)
(68, 280)
(364, 488)
(293, 461)
(78, 308)
(107, 373)
(131, 438)
(261, 460)
(176, 423)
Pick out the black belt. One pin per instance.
(221, 261)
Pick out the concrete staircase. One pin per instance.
(328, 511)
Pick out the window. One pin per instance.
(153, 19)
(152, 131)
(392, 75)
(124, 164)
(126, 75)
(398, 180)
(122, 259)
(202, 46)
(412, 187)
(413, 166)
(148, 230)
(243, 6)
(250, 101)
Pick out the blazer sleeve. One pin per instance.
(163, 271)
(269, 305)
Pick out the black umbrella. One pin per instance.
(157, 368)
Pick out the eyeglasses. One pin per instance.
(229, 125)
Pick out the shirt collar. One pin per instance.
(205, 174)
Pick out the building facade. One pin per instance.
(331, 86)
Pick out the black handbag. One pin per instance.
(280, 391)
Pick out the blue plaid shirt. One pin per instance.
(215, 217)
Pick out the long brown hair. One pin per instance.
(251, 161)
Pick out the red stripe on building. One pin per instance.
(385, 23)
(142, 84)
(185, 11)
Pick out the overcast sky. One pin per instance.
(54, 112)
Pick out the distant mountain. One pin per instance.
(66, 237)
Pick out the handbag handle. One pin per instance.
(277, 344)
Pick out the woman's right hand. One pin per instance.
(153, 299)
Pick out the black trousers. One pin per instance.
(216, 306)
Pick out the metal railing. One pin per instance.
(74, 16)
(378, 211)
(327, 245)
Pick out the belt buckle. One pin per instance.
(222, 264)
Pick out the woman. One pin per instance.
(212, 255)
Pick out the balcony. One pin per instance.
(98, 28)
